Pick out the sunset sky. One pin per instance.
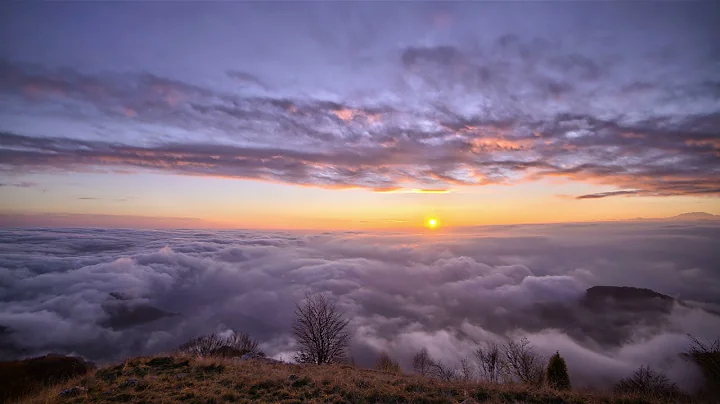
(356, 115)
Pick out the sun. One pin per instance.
(432, 223)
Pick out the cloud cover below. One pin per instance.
(447, 291)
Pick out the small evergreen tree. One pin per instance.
(557, 373)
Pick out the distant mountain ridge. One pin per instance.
(689, 216)
(695, 216)
(624, 293)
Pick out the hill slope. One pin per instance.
(200, 380)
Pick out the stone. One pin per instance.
(73, 391)
(130, 383)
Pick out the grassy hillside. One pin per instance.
(210, 380)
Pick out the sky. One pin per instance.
(65, 291)
(356, 115)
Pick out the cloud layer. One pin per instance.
(62, 290)
(430, 101)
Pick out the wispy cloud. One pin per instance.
(90, 198)
(501, 109)
(607, 194)
(18, 184)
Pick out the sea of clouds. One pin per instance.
(446, 291)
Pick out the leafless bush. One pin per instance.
(707, 357)
(320, 331)
(426, 366)
(647, 383)
(523, 363)
(421, 362)
(467, 370)
(233, 344)
(490, 362)
(386, 364)
(442, 372)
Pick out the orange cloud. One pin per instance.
(344, 114)
(397, 190)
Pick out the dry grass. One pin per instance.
(216, 380)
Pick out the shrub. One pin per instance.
(490, 361)
(467, 370)
(422, 362)
(557, 373)
(21, 377)
(707, 357)
(442, 371)
(648, 383)
(232, 344)
(386, 364)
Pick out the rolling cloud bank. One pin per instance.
(108, 294)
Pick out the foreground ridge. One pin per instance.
(233, 380)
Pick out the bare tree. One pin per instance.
(523, 363)
(422, 362)
(490, 361)
(232, 344)
(647, 382)
(467, 370)
(320, 331)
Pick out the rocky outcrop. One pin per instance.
(125, 312)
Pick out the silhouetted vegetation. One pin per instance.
(646, 382)
(386, 364)
(489, 361)
(707, 357)
(320, 331)
(557, 373)
(466, 370)
(442, 371)
(229, 345)
(21, 377)
(523, 363)
(421, 362)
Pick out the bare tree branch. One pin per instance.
(234, 344)
(320, 331)
(523, 363)
(490, 361)
(422, 362)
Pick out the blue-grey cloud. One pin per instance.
(384, 96)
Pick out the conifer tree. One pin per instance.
(557, 373)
